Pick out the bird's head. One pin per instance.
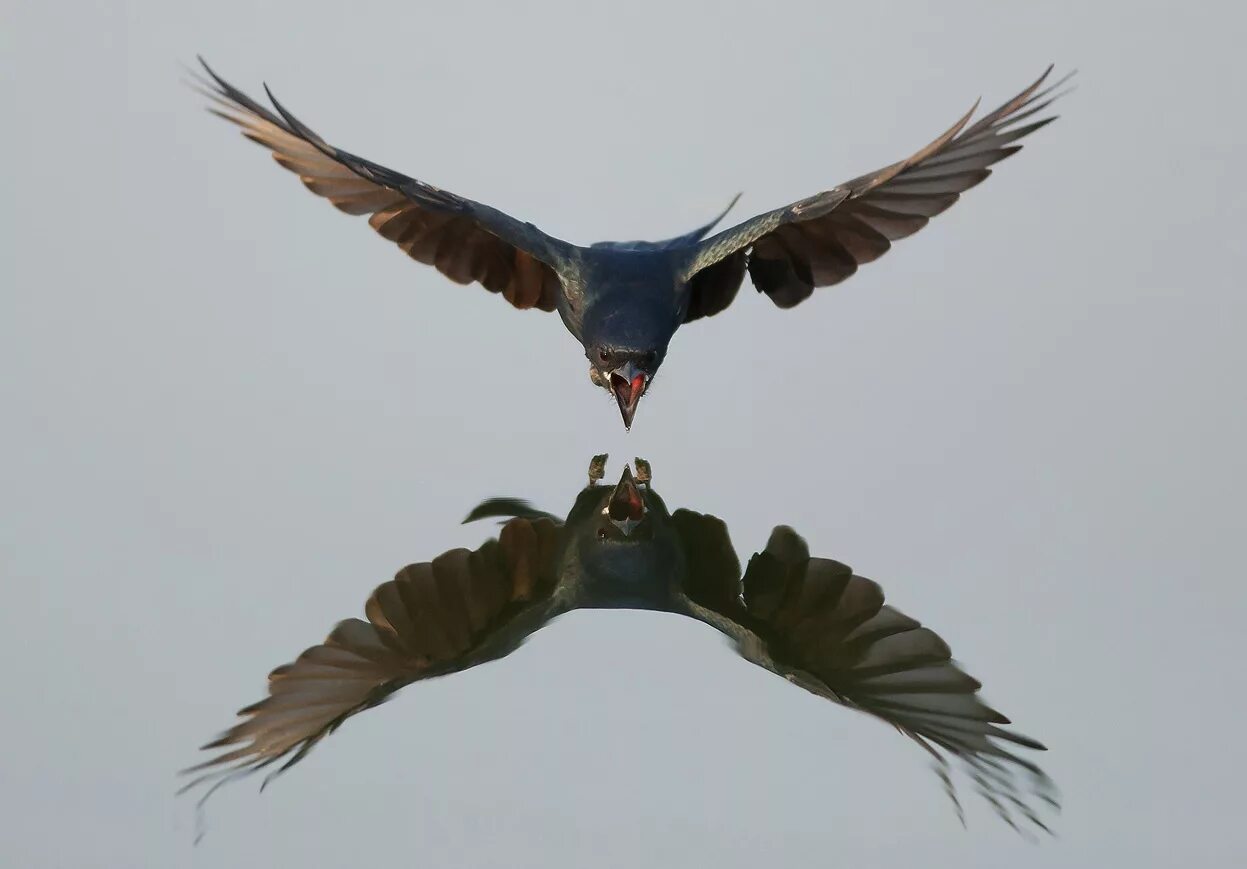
(623, 514)
(621, 538)
(627, 326)
(625, 373)
(625, 543)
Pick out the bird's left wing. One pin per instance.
(822, 240)
(457, 611)
(466, 241)
(814, 622)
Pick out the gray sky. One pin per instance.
(230, 411)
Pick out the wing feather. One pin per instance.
(823, 240)
(464, 240)
(459, 610)
(815, 622)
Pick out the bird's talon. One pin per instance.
(597, 468)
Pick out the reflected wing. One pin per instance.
(814, 622)
(822, 240)
(712, 569)
(465, 240)
(506, 508)
(462, 609)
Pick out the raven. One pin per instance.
(811, 620)
(624, 300)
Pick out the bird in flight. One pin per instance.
(623, 301)
(811, 620)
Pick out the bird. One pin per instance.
(624, 301)
(811, 620)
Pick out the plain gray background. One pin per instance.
(230, 411)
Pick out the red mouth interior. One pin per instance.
(628, 391)
(626, 503)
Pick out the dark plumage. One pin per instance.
(624, 300)
(810, 620)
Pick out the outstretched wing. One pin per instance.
(822, 240)
(462, 609)
(465, 240)
(812, 621)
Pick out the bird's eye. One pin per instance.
(603, 355)
(601, 533)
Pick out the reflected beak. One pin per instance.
(628, 385)
(626, 507)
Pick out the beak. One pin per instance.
(626, 507)
(628, 383)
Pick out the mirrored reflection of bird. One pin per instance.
(624, 300)
(810, 620)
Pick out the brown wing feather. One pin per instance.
(461, 609)
(794, 250)
(813, 621)
(713, 570)
(456, 236)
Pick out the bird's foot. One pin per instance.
(597, 468)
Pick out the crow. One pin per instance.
(623, 301)
(811, 620)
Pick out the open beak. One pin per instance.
(626, 507)
(628, 385)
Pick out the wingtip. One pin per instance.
(281, 110)
(209, 70)
(1042, 77)
(1056, 84)
(195, 80)
(216, 742)
(961, 122)
(1062, 80)
(300, 129)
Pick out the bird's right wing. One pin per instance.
(461, 609)
(466, 241)
(814, 622)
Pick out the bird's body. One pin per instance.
(623, 301)
(810, 620)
